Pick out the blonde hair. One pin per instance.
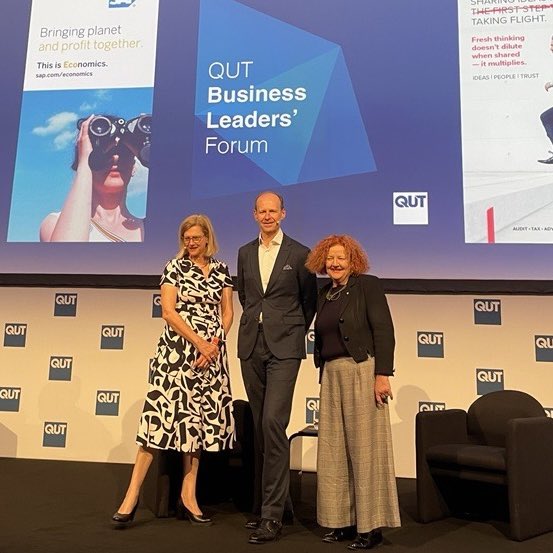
(204, 223)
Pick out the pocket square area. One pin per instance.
(287, 268)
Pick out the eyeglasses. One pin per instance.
(195, 239)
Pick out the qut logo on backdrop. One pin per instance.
(310, 341)
(112, 337)
(548, 411)
(431, 406)
(107, 402)
(430, 344)
(489, 380)
(15, 335)
(65, 305)
(9, 399)
(60, 367)
(312, 410)
(487, 312)
(55, 434)
(410, 208)
(544, 348)
(156, 306)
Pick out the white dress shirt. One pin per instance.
(267, 257)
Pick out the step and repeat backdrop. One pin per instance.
(74, 367)
(431, 148)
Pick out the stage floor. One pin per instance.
(65, 507)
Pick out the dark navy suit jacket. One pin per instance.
(288, 304)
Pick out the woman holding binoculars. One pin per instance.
(95, 209)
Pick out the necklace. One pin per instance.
(334, 294)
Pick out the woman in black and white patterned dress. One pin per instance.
(188, 407)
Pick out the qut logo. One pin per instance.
(107, 402)
(65, 305)
(489, 380)
(60, 367)
(112, 337)
(156, 306)
(312, 410)
(15, 335)
(9, 399)
(487, 312)
(55, 434)
(310, 341)
(544, 348)
(410, 208)
(431, 406)
(430, 344)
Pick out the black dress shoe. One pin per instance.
(121, 520)
(366, 540)
(340, 534)
(269, 530)
(252, 524)
(185, 514)
(287, 519)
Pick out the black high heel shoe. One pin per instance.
(185, 514)
(121, 520)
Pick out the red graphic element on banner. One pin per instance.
(490, 225)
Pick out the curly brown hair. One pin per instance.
(316, 260)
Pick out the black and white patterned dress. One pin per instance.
(186, 408)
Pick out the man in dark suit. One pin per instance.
(278, 297)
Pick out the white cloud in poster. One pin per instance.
(87, 106)
(63, 139)
(56, 124)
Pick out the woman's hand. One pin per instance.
(84, 145)
(382, 389)
(209, 351)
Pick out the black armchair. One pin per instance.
(500, 450)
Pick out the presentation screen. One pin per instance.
(422, 128)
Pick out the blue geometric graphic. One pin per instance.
(275, 105)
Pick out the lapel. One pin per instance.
(280, 261)
(349, 291)
(254, 260)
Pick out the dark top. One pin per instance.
(365, 323)
(327, 327)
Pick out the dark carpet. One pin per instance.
(65, 507)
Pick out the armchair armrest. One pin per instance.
(530, 475)
(435, 428)
(440, 427)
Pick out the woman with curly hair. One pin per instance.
(354, 349)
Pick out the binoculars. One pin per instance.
(108, 133)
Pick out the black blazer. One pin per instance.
(288, 304)
(365, 323)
